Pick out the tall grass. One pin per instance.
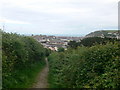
(24, 78)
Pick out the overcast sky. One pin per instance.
(68, 17)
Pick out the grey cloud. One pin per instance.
(56, 23)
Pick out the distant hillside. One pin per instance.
(105, 33)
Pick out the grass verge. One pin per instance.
(26, 77)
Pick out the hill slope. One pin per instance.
(105, 33)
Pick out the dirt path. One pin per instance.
(41, 81)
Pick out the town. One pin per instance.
(55, 42)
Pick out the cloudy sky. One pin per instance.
(56, 17)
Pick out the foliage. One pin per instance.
(86, 67)
(104, 33)
(73, 44)
(96, 40)
(61, 49)
(19, 54)
(47, 52)
(90, 41)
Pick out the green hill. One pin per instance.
(105, 33)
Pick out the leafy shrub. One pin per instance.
(91, 41)
(19, 53)
(61, 49)
(86, 67)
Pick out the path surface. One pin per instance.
(41, 81)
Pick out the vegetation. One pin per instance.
(105, 33)
(86, 67)
(61, 49)
(73, 44)
(22, 59)
(90, 41)
(97, 40)
(92, 63)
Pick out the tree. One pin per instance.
(73, 44)
(61, 49)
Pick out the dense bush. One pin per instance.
(86, 67)
(90, 41)
(19, 54)
(61, 49)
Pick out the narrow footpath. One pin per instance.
(41, 80)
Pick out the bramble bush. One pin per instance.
(86, 67)
(20, 57)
